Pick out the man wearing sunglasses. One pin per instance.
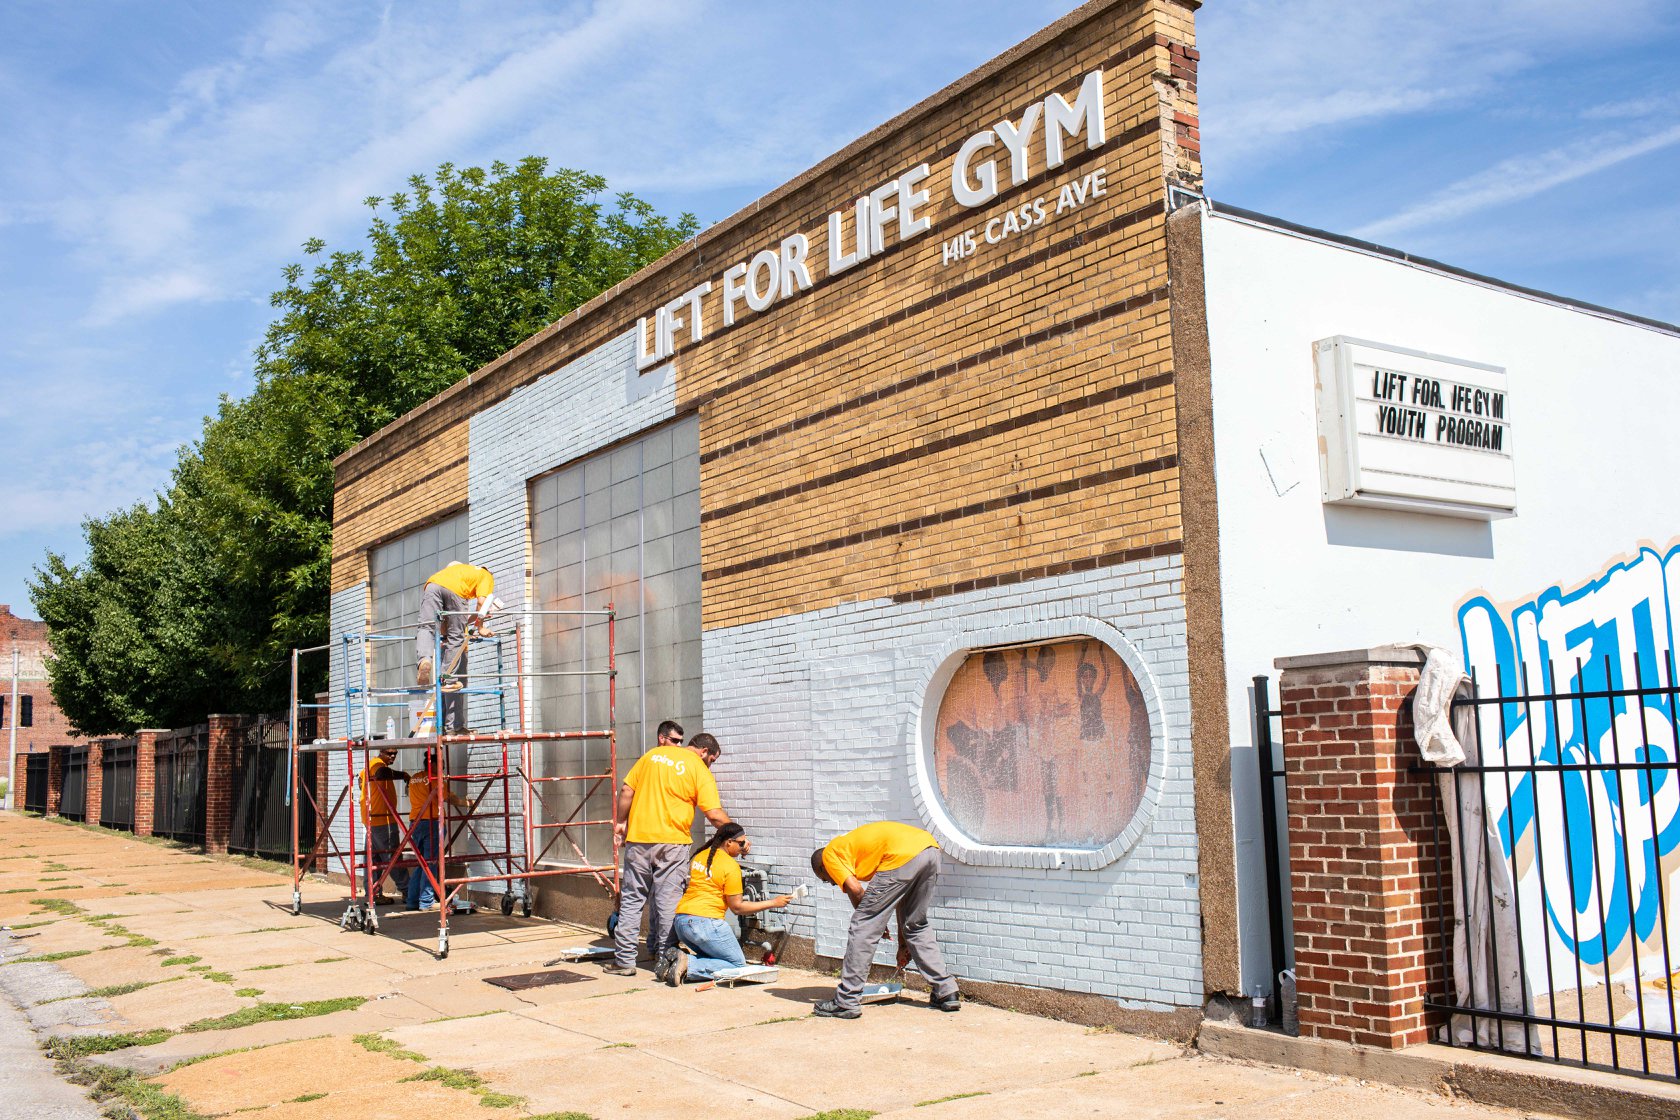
(653, 817)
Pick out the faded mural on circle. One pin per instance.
(1043, 745)
(1588, 816)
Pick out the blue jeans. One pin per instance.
(713, 945)
(420, 893)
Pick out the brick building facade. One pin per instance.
(48, 725)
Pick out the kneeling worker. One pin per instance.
(901, 865)
(714, 885)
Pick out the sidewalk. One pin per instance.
(196, 958)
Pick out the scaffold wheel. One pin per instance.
(370, 920)
(507, 903)
(351, 920)
(525, 905)
(443, 945)
(297, 903)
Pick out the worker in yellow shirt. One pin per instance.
(423, 827)
(714, 887)
(379, 814)
(653, 816)
(900, 865)
(445, 603)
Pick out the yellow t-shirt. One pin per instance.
(469, 581)
(881, 846)
(704, 897)
(379, 795)
(670, 783)
(421, 807)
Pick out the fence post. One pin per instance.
(1362, 847)
(95, 782)
(145, 778)
(55, 779)
(226, 733)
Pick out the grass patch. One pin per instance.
(306, 1098)
(109, 991)
(32, 925)
(470, 1082)
(379, 1044)
(562, 1116)
(170, 961)
(19, 890)
(274, 1013)
(266, 929)
(608, 995)
(474, 1015)
(619, 1046)
(71, 1047)
(780, 1019)
(330, 960)
(72, 886)
(263, 967)
(219, 977)
(126, 1093)
(953, 1097)
(43, 958)
(51, 879)
(98, 919)
(842, 1114)
(248, 993)
(200, 967)
(58, 906)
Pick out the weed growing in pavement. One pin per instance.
(379, 1044)
(953, 1097)
(275, 1013)
(474, 1015)
(168, 961)
(219, 977)
(51, 879)
(44, 958)
(562, 1116)
(125, 1092)
(780, 1019)
(842, 1114)
(96, 919)
(248, 993)
(109, 991)
(200, 967)
(32, 925)
(58, 906)
(19, 890)
(468, 1081)
(619, 1046)
(306, 1098)
(71, 1047)
(330, 960)
(263, 967)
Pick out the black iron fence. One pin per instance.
(179, 796)
(262, 815)
(35, 782)
(1268, 742)
(1566, 813)
(72, 795)
(116, 791)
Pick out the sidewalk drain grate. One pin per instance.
(526, 980)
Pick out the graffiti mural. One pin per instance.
(1601, 892)
(1044, 745)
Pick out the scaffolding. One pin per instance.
(484, 782)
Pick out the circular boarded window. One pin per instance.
(1042, 745)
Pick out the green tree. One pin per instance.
(194, 605)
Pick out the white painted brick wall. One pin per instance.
(818, 716)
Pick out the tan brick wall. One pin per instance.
(905, 428)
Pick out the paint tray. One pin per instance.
(748, 974)
(881, 993)
(583, 953)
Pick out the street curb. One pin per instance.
(1491, 1079)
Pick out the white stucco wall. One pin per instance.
(1592, 402)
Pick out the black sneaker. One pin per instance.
(828, 1009)
(952, 1002)
(662, 967)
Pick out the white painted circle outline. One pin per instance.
(936, 677)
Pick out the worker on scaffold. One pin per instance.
(459, 595)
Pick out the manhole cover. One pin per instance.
(526, 980)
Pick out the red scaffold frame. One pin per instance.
(448, 869)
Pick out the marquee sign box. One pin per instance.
(1401, 429)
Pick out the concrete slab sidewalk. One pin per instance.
(209, 956)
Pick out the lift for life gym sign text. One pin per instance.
(1401, 429)
(990, 161)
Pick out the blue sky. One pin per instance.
(165, 159)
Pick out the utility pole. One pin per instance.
(11, 748)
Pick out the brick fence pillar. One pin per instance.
(95, 782)
(145, 778)
(227, 739)
(1362, 848)
(55, 779)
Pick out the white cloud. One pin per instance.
(1521, 177)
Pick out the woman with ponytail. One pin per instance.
(714, 886)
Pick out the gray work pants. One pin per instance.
(434, 601)
(907, 890)
(654, 878)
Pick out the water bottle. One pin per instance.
(390, 727)
(1257, 1008)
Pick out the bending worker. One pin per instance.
(714, 885)
(653, 815)
(445, 603)
(900, 864)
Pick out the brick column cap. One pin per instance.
(1408, 656)
(153, 730)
